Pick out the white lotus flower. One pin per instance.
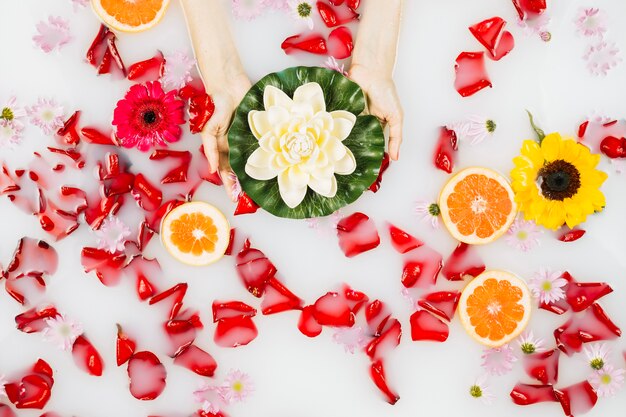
(300, 143)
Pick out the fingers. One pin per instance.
(395, 135)
(209, 143)
(226, 172)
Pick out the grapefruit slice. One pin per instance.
(130, 15)
(477, 205)
(495, 308)
(195, 233)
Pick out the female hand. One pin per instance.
(383, 102)
(214, 135)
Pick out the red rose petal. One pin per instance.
(581, 296)
(425, 326)
(245, 205)
(379, 346)
(383, 168)
(235, 331)
(182, 331)
(25, 288)
(179, 172)
(331, 17)
(95, 136)
(124, 347)
(5, 411)
(145, 272)
(357, 234)
(34, 320)
(32, 257)
(229, 309)
(543, 366)
(154, 218)
(353, 4)
(613, 147)
(355, 299)
(98, 46)
(401, 241)
(505, 45)
(529, 9)
(86, 357)
(442, 304)
(444, 151)
(278, 298)
(307, 324)
(489, 32)
(201, 109)
(197, 361)
(100, 210)
(146, 194)
(525, 394)
(591, 326)
(377, 315)
(314, 44)
(463, 262)
(421, 267)
(572, 235)
(577, 399)
(175, 296)
(34, 389)
(148, 70)
(332, 309)
(67, 133)
(54, 221)
(147, 376)
(108, 266)
(254, 269)
(377, 373)
(340, 43)
(471, 74)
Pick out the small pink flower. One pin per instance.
(79, 4)
(277, 4)
(147, 116)
(474, 129)
(426, 210)
(12, 112)
(547, 285)
(498, 361)
(529, 344)
(177, 71)
(112, 235)
(47, 115)
(607, 381)
(302, 10)
(601, 57)
(53, 34)
(62, 332)
(237, 387)
(591, 22)
(480, 390)
(248, 9)
(331, 63)
(210, 397)
(597, 355)
(523, 234)
(536, 26)
(10, 133)
(352, 338)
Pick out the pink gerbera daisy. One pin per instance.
(147, 117)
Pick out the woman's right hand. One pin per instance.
(214, 135)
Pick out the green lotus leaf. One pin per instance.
(366, 141)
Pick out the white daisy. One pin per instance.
(480, 390)
(529, 344)
(302, 10)
(428, 211)
(607, 381)
(597, 355)
(474, 129)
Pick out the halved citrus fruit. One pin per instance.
(195, 233)
(130, 15)
(495, 307)
(477, 205)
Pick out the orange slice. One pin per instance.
(195, 233)
(130, 15)
(477, 205)
(495, 307)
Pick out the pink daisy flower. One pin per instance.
(177, 70)
(302, 10)
(112, 235)
(607, 381)
(210, 397)
(352, 338)
(498, 361)
(53, 34)
(79, 4)
(597, 355)
(428, 211)
(601, 57)
(62, 332)
(529, 344)
(237, 386)
(47, 115)
(474, 129)
(591, 22)
(147, 117)
(10, 133)
(547, 285)
(523, 234)
(331, 63)
(537, 26)
(480, 390)
(248, 9)
(12, 112)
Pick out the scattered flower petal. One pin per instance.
(543, 366)
(471, 73)
(10, 134)
(147, 376)
(210, 397)
(53, 34)
(331, 63)
(357, 234)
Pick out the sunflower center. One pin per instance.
(149, 117)
(304, 9)
(7, 114)
(559, 180)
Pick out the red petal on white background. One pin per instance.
(580, 295)
(174, 297)
(197, 361)
(307, 324)
(86, 357)
(278, 298)
(108, 266)
(145, 272)
(32, 257)
(442, 304)
(254, 269)
(26, 289)
(387, 341)
(506, 45)
(577, 399)
(357, 234)
(355, 299)
(377, 373)
(421, 267)
(235, 331)
(5, 411)
(124, 347)
(34, 389)
(591, 326)
(228, 309)
(425, 326)
(525, 394)
(376, 314)
(147, 376)
(471, 74)
(463, 262)
(54, 221)
(543, 366)
(182, 331)
(34, 320)
(401, 241)
(332, 309)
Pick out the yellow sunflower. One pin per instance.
(556, 183)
